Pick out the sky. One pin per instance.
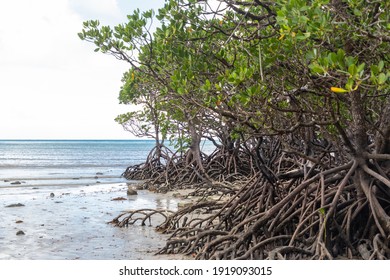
(52, 84)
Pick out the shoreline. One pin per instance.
(72, 223)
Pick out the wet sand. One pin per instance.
(72, 224)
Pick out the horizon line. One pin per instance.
(75, 139)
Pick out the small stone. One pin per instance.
(97, 182)
(131, 192)
(15, 205)
(52, 195)
(99, 173)
(6, 181)
(19, 222)
(176, 195)
(163, 189)
(20, 232)
(16, 183)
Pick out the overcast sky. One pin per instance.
(52, 84)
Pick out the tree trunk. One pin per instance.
(195, 156)
(382, 139)
(358, 128)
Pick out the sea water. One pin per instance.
(56, 163)
(67, 191)
(66, 163)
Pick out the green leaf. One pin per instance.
(207, 86)
(340, 54)
(341, 58)
(349, 84)
(333, 58)
(349, 60)
(374, 70)
(181, 90)
(382, 78)
(360, 68)
(316, 68)
(381, 64)
(303, 36)
(352, 70)
(357, 12)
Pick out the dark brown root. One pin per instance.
(331, 210)
(142, 215)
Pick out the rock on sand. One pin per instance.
(16, 183)
(131, 192)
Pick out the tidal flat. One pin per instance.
(73, 223)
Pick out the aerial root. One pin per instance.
(322, 212)
(307, 219)
(293, 219)
(142, 215)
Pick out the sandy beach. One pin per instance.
(71, 223)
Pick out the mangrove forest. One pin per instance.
(293, 95)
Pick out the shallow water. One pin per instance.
(73, 224)
(67, 187)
